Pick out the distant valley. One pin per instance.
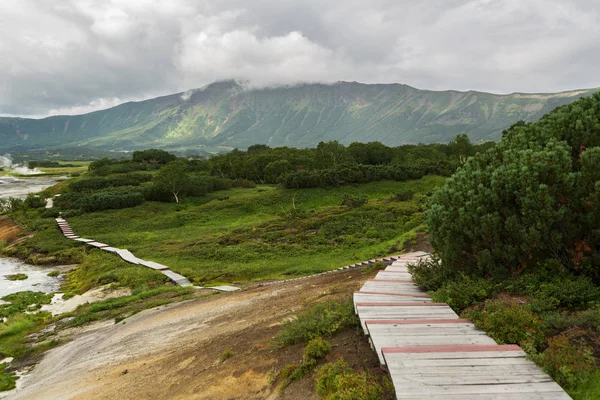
(224, 115)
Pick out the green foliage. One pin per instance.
(354, 201)
(54, 273)
(590, 390)
(100, 268)
(16, 277)
(23, 301)
(173, 178)
(7, 379)
(226, 355)
(533, 197)
(403, 195)
(568, 361)
(464, 291)
(321, 320)
(153, 156)
(508, 323)
(352, 174)
(565, 293)
(126, 306)
(337, 381)
(316, 349)
(430, 274)
(560, 321)
(33, 201)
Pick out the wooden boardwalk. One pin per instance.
(431, 353)
(124, 254)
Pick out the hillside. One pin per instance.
(223, 114)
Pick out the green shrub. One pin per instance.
(337, 381)
(532, 197)
(54, 273)
(464, 291)
(560, 321)
(316, 349)
(33, 201)
(16, 277)
(508, 323)
(243, 183)
(430, 274)
(7, 379)
(322, 320)
(569, 363)
(403, 195)
(354, 201)
(569, 292)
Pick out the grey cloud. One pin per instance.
(80, 55)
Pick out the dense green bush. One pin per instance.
(108, 200)
(569, 361)
(32, 201)
(508, 323)
(534, 196)
(316, 349)
(430, 274)
(324, 319)
(464, 291)
(337, 381)
(357, 173)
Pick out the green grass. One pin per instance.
(126, 306)
(321, 320)
(16, 277)
(7, 379)
(242, 235)
(587, 391)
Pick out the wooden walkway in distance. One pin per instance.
(124, 254)
(431, 353)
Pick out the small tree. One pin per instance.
(461, 147)
(174, 178)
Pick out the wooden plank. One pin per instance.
(455, 349)
(393, 275)
(402, 304)
(421, 322)
(381, 339)
(422, 295)
(153, 265)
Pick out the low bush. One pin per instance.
(23, 301)
(316, 349)
(7, 379)
(321, 320)
(354, 201)
(566, 293)
(507, 323)
(243, 183)
(559, 321)
(464, 291)
(567, 360)
(403, 195)
(337, 381)
(430, 274)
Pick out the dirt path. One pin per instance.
(175, 351)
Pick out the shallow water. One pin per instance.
(37, 281)
(19, 187)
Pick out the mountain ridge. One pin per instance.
(226, 114)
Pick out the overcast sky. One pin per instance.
(74, 56)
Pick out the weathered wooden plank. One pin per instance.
(128, 256)
(393, 275)
(484, 396)
(380, 340)
(97, 244)
(153, 265)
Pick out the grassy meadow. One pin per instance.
(241, 235)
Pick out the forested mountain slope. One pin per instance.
(224, 114)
